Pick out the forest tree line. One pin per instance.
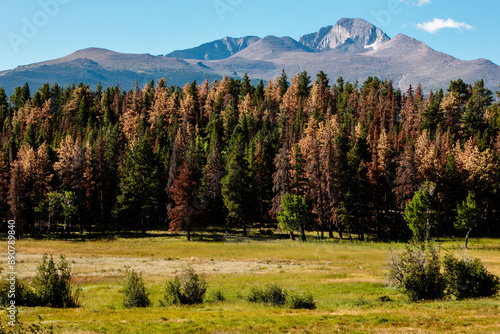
(223, 154)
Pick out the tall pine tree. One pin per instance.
(137, 203)
(237, 190)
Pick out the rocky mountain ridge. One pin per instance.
(352, 48)
(346, 34)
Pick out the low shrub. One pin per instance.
(256, 294)
(277, 296)
(51, 287)
(297, 301)
(384, 299)
(135, 293)
(24, 294)
(270, 294)
(216, 296)
(173, 294)
(53, 284)
(468, 278)
(187, 289)
(417, 270)
(362, 301)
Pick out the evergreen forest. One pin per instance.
(222, 155)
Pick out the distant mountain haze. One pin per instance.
(352, 48)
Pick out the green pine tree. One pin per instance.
(283, 83)
(304, 84)
(473, 119)
(432, 116)
(137, 202)
(353, 205)
(246, 87)
(237, 189)
(4, 107)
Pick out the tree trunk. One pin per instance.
(244, 229)
(321, 208)
(339, 228)
(302, 234)
(489, 213)
(142, 225)
(292, 236)
(362, 230)
(189, 234)
(322, 229)
(427, 231)
(467, 238)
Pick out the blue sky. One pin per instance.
(38, 30)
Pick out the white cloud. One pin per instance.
(438, 24)
(423, 2)
(416, 2)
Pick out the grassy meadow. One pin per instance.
(346, 279)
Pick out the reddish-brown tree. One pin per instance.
(178, 153)
(314, 190)
(69, 165)
(22, 186)
(281, 179)
(184, 194)
(131, 115)
(4, 185)
(89, 188)
(43, 170)
(409, 124)
(406, 173)
(16, 190)
(331, 173)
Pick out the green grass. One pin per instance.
(346, 279)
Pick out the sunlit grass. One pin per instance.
(346, 279)
(242, 317)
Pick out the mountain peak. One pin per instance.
(91, 53)
(354, 35)
(271, 47)
(93, 49)
(218, 49)
(403, 43)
